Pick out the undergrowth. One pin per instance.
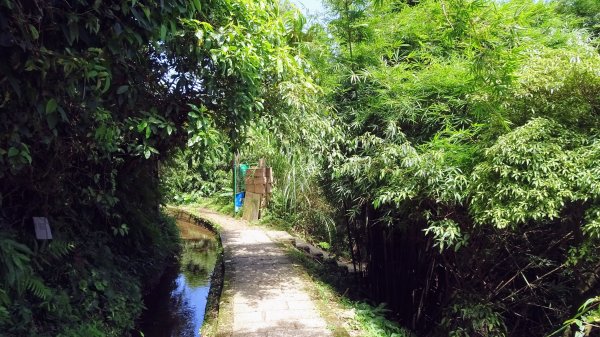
(222, 205)
(362, 318)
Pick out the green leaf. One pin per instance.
(106, 85)
(143, 125)
(34, 32)
(146, 11)
(13, 151)
(51, 106)
(122, 89)
(163, 32)
(198, 5)
(26, 155)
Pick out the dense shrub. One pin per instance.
(467, 158)
(93, 97)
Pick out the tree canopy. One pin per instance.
(475, 122)
(93, 95)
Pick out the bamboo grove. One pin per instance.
(450, 148)
(468, 165)
(458, 161)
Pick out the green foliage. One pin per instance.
(586, 320)
(475, 123)
(186, 178)
(473, 319)
(588, 10)
(289, 146)
(592, 223)
(447, 233)
(528, 174)
(83, 290)
(364, 319)
(372, 320)
(94, 98)
(269, 74)
(91, 329)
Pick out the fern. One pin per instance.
(14, 261)
(3, 297)
(59, 249)
(3, 314)
(4, 301)
(92, 329)
(17, 273)
(37, 287)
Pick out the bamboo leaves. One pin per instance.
(474, 123)
(51, 106)
(528, 174)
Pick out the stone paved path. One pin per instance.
(269, 297)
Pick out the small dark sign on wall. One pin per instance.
(42, 228)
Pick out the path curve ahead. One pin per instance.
(268, 294)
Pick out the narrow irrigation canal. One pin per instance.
(176, 307)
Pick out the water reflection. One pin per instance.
(176, 307)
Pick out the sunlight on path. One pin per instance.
(269, 295)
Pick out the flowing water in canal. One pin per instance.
(175, 308)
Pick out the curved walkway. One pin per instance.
(269, 297)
